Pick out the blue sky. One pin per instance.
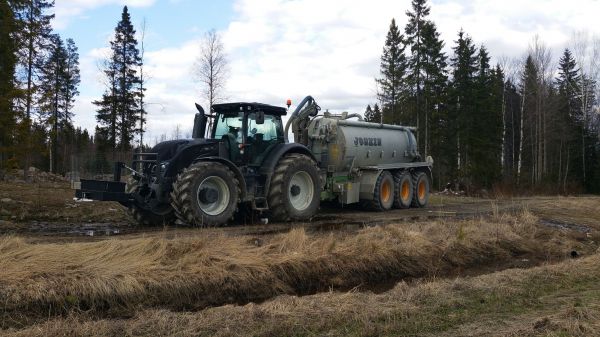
(168, 22)
(279, 49)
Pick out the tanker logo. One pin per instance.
(367, 141)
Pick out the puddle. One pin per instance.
(80, 229)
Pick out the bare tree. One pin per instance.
(542, 58)
(210, 69)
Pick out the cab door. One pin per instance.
(261, 138)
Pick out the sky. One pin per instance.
(280, 49)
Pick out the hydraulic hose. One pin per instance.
(360, 118)
(294, 115)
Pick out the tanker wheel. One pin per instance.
(383, 195)
(205, 194)
(421, 189)
(163, 216)
(295, 190)
(404, 189)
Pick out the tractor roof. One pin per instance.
(244, 106)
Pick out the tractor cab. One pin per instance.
(249, 131)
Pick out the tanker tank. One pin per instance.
(343, 145)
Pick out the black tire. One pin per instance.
(205, 194)
(421, 189)
(403, 186)
(145, 217)
(285, 197)
(383, 195)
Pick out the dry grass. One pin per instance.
(119, 277)
(553, 300)
(570, 210)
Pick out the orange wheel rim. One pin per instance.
(386, 191)
(405, 191)
(421, 190)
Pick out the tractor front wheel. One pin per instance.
(144, 217)
(205, 194)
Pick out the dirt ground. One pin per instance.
(459, 267)
(49, 210)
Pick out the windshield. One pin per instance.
(229, 125)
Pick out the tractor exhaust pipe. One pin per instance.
(199, 129)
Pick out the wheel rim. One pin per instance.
(213, 195)
(405, 191)
(422, 190)
(386, 191)
(301, 190)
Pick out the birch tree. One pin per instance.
(210, 69)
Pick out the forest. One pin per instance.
(529, 124)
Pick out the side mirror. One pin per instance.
(260, 117)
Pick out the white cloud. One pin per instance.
(331, 49)
(65, 10)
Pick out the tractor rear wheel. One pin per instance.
(404, 189)
(164, 216)
(421, 189)
(294, 193)
(383, 195)
(205, 194)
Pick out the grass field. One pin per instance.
(511, 271)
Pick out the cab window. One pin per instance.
(230, 126)
(268, 131)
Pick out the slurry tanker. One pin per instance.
(247, 159)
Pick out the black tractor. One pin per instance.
(202, 181)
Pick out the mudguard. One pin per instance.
(189, 153)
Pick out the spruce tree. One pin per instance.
(34, 34)
(415, 36)
(373, 115)
(570, 117)
(58, 86)
(486, 127)
(393, 69)
(462, 110)
(435, 82)
(377, 114)
(369, 113)
(480, 123)
(118, 108)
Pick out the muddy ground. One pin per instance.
(49, 210)
(89, 270)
